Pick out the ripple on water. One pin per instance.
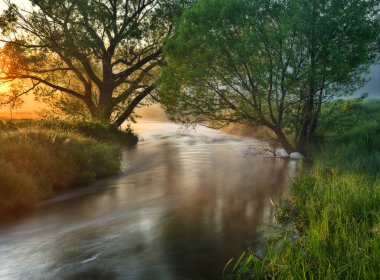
(186, 202)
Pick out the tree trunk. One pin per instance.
(283, 140)
(301, 145)
(129, 110)
(100, 113)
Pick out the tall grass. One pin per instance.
(88, 129)
(335, 210)
(39, 158)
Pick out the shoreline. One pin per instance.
(331, 220)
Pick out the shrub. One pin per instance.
(38, 159)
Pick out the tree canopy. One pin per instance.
(103, 53)
(268, 62)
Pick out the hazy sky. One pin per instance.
(373, 86)
(20, 3)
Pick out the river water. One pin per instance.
(186, 202)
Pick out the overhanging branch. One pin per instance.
(126, 114)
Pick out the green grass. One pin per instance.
(88, 129)
(39, 158)
(334, 208)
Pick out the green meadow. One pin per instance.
(331, 221)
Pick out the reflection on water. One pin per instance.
(185, 203)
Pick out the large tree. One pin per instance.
(268, 62)
(102, 53)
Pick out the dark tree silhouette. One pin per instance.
(103, 53)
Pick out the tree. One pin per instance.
(10, 99)
(272, 63)
(103, 53)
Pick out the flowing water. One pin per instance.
(186, 202)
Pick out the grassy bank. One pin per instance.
(38, 158)
(334, 209)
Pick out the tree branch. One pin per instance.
(132, 105)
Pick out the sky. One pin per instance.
(373, 86)
(20, 3)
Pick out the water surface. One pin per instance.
(186, 202)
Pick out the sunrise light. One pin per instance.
(189, 139)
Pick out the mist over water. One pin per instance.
(186, 202)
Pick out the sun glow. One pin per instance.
(4, 88)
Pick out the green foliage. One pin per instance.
(337, 208)
(271, 63)
(340, 116)
(352, 142)
(38, 158)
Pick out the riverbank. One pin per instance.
(332, 218)
(183, 205)
(40, 158)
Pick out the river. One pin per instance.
(185, 203)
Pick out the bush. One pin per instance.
(40, 158)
